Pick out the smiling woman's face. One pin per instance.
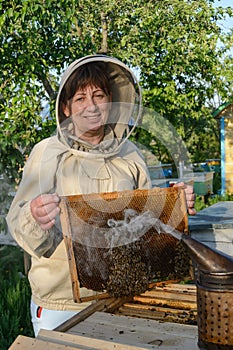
(89, 109)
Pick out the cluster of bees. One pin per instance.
(128, 273)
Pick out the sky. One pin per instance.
(228, 23)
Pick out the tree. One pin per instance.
(182, 71)
(173, 43)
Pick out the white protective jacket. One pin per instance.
(65, 165)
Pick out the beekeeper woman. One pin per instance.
(90, 153)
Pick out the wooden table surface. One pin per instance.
(104, 331)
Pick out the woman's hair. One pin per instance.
(94, 74)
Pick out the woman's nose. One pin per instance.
(90, 105)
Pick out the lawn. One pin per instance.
(14, 296)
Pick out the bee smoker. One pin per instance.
(214, 281)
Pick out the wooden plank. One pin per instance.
(131, 324)
(67, 235)
(173, 303)
(167, 295)
(156, 308)
(25, 343)
(110, 304)
(85, 342)
(163, 283)
(140, 325)
(182, 288)
(167, 301)
(151, 337)
(142, 312)
(172, 295)
(149, 334)
(155, 313)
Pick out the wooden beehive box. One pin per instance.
(118, 242)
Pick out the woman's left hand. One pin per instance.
(190, 197)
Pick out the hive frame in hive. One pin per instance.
(174, 198)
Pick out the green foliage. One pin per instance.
(200, 204)
(184, 66)
(14, 297)
(174, 44)
(6, 195)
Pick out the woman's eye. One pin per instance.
(99, 96)
(79, 99)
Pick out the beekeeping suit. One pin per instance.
(65, 165)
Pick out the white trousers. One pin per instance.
(47, 319)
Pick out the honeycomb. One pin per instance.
(119, 242)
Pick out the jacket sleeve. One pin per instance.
(22, 226)
(27, 232)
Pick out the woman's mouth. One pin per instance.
(92, 117)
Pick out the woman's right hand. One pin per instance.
(44, 209)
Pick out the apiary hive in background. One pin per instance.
(118, 242)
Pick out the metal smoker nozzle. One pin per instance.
(206, 258)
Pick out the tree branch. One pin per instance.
(104, 44)
(48, 87)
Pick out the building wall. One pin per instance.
(228, 148)
(229, 154)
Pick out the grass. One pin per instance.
(14, 297)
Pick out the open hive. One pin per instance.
(118, 242)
